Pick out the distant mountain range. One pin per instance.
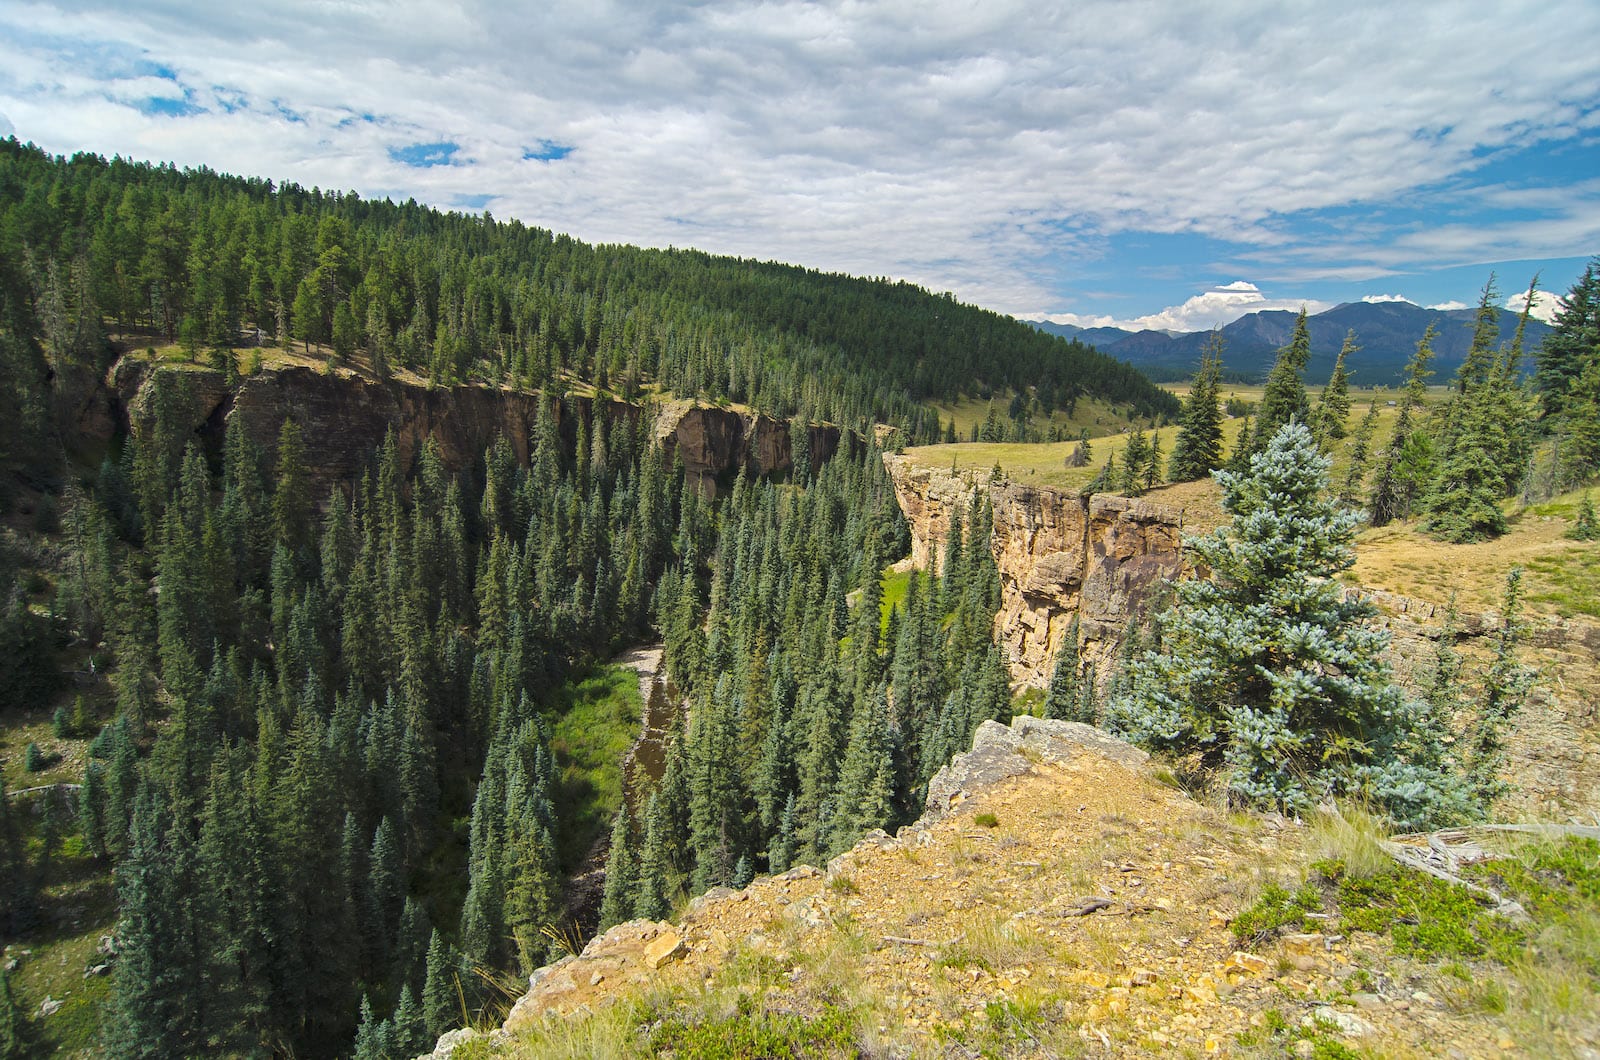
(1387, 333)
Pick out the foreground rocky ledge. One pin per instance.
(1049, 865)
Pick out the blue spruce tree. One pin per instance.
(1268, 674)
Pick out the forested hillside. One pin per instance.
(215, 261)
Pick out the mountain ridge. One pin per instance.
(1386, 333)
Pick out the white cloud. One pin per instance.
(1545, 304)
(957, 145)
(1448, 306)
(1219, 306)
(1386, 298)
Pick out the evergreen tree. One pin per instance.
(1284, 398)
(1360, 455)
(1505, 687)
(622, 873)
(1406, 467)
(441, 1001)
(1585, 527)
(12, 1045)
(1062, 698)
(1135, 463)
(1198, 450)
(1333, 406)
(1570, 349)
(1268, 673)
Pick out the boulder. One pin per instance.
(1000, 751)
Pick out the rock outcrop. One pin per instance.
(1061, 556)
(344, 418)
(1000, 752)
(712, 440)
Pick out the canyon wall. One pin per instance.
(1061, 556)
(344, 417)
(1102, 559)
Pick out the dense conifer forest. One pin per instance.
(323, 773)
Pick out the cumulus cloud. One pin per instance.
(955, 145)
(1447, 306)
(1545, 304)
(1385, 298)
(1218, 306)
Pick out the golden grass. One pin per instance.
(1561, 577)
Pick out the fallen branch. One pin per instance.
(1089, 905)
(1412, 859)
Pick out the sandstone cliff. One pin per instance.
(1101, 558)
(344, 418)
(1061, 555)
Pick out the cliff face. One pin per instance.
(1101, 558)
(1060, 556)
(344, 418)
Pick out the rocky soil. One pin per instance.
(1054, 878)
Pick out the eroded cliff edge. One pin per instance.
(1061, 556)
(344, 418)
(1103, 558)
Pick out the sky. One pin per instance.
(1132, 163)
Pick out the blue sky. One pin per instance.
(1144, 163)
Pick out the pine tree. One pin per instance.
(410, 1029)
(622, 873)
(1062, 698)
(12, 1046)
(1406, 466)
(1585, 527)
(1360, 454)
(1238, 461)
(441, 1002)
(1267, 672)
(1135, 463)
(1284, 398)
(1505, 687)
(1333, 407)
(1198, 450)
(1571, 348)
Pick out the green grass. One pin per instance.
(76, 905)
(596, 721)
(894, 585)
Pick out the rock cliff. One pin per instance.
(1061, 556)
(344, 418)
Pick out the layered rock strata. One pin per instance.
(344, 418)
(1062, 556)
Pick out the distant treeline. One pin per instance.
(211, 261)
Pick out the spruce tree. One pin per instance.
(622, 872)
(1198, 450)
(1505, 687)
(1333, 406)
(1135, 463)
(1585, 526)
(1355, 474)
(441, 1004)
(1284, 398)
(12, 1046)
(1406, 466)
(1062, 698)
(1267, 672)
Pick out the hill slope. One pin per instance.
(213, 261)
(1067, 903)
